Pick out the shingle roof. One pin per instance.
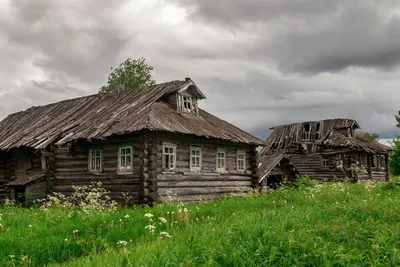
(102, 115)
(336, 139)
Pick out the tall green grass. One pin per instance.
(325, 225)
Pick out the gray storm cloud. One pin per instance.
(260, 63)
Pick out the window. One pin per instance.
(95, 160)
(188, 103)
(339, 161)
(125, 159)
(318, 131)
(307, 131)
(241, 161)
(169, 156)
(325, 162)
(195, 159)
(220, 159)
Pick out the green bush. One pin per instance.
(393, 183)
(302, 181)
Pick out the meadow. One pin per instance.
(338, 224)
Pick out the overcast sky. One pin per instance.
(259, 62)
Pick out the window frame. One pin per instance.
(190, 100)
(169, 145)
(125, 169)
(240, 152)
(325, 162)
(200, 156)
(220, 150)
(90, 157)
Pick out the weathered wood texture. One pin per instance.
(2, 175)
(35, 191)
(72, 168)
(311, 165)
(208, 183)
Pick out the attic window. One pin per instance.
(317, 131)
(307, 131)
(188, 103)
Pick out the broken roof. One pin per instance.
(101, 115)
(337, 123)
(336, 139)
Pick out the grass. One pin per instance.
(329, 225)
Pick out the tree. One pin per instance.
(398, 119)
(132, 74)
(394, 157)
(372, 136)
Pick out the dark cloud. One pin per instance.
(260, 63)
(310, 36)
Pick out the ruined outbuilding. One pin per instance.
(325, 150)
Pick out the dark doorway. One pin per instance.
(274, 181)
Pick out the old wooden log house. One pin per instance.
(323, 150)
(147, 143)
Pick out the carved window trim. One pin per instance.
(95, 160)
(196, 154)
(169, 154)
(125, 159)
(221, 160)
(241, 161)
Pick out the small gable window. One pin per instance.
(125, 159)
(195, 159)
(221, 157)
(95, 160)
(241, 160)
(188, 103)
(169, 156)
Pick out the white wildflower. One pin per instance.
(185, 210)
(122, 243)
(66, 239)
(148, 215)
(30, 226)
(165, 234)
(126, 216)
(163, 220)
(150, 227)
(75, 231)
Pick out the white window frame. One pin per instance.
(190, 100)
(240, 153)
(219, 169)
(173, 154)
(95, 170)
(126, 168)
(195, 168)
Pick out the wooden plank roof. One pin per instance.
(336, 139)
(100, 115)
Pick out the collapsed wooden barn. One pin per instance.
(324, 150)
(147, 143)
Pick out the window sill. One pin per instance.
(168, 172)
(222, 171)
(124, 172)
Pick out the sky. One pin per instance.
(259, 63)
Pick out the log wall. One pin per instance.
(71, 168)
(2, 175)
(311, 165)
(183, 185)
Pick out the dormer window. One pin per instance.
(188, 103)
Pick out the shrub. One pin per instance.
(302, 181)
(393, 183)
(92, 197)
